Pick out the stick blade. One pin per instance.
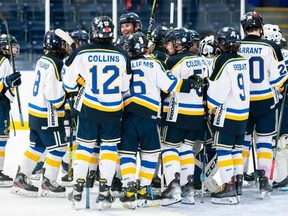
(64, 35)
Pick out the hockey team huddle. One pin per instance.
(183, 107)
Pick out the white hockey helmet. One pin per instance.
(272, 33)
(207, 46)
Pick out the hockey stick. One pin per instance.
(254, 158)
(151, 20)
(278, 133)
(66, 37)
(12, 62)
(203, 174)
(171, 13)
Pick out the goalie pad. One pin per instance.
(210, 169)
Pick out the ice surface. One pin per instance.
(13, 205)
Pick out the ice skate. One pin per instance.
(67, 180)
(22, 185)
(281, 186)
(264, 186)
(76, 194)
(146, 197)
(116, 187)
(90, 179)
(52, 189)
(37, 172)
(188, 192)
(156, 182)
(225, 195)
(128, 197)
(105, 197)
(172, 194)
(5, 180)
(249, 179)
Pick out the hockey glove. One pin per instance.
(13, 80)
(196, 81)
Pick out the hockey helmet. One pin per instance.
(53, 44)
(207, 46)
(228, 39)
(102, 27)
(79, 35)
(272, 33)
(193, 37)
(158, 35)
(251, 19)
(130, 17)
(135, 44)
(179, 38)
(4, 45)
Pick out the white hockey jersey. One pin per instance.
(46, 103)
(148, 78)
(267, 69)
(189, 109)
(5, 70)
(229, 93)
(105, 70)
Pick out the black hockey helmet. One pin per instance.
(135, 44)
(251, 19)
(4, 45)
(79, 35)
(102, 28)
(130, 17)
(228, 39)
(179, 38)
(54, 45)
(158, 35)
(192, 38)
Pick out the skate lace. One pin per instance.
(151, 192)
(28, 181)
(54, 184)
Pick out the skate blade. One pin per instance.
(129, 205)
(264, 194)
(22, 192)
(189, 200)
(148, 203)
(225, 200)
(46, 193)
(176, 198)
(6, 184)
(104, 205)
(75, 205)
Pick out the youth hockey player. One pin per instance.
(184, 120)
(267, 75)
(139, 127)
(80, 38)
(273, 33)
(105, 70)
(129, 23)
(8, 81)
(228, 100)
(46, 122)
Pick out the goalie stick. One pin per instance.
(66, 37)
(151, 20)
(278, 133)
(12, 62)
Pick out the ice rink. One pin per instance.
(13, 205)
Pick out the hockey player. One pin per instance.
(273, 33)
(267, 75)
(105, 70)
(184, 114)
(129, 23)
(228, 100)
(207, 50)
(157, 49)
(80, 38)
(139, 127)
(8, 81)
(46, 122)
